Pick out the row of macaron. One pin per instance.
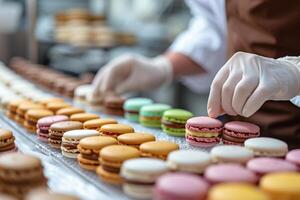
(199, 131)
(135, 174)
(55, 81)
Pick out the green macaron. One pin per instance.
(150, 115)
(132, 107)
(173, 121)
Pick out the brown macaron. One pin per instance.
(89, 149)
(7, 141)
(32, 116)
(158, 149)
(114, 130)
(113, 105)
(135, 139)
(20, 173)
(83, 117)
(69, 111)
(58, 129)
(96, 124)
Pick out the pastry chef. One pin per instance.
(218, 30)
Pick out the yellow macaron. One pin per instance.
(236, 191)
(281, 186)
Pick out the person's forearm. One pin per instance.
(183, 65)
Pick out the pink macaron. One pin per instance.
(180, 186)
(236, 132)
(44, 124)
(265, 165)
(229, 172)
(294, 157)
(203, 131)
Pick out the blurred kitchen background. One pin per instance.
(80, 36)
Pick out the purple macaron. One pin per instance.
(224, 173)
(180, 186)
(294, 157)
(44, 124)
(265, 165)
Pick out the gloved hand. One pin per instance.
(133, 73)
(247, 80)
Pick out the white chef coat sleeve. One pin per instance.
(204, 41)
(295, 60)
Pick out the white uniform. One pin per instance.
(204, 41)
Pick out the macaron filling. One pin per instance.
(91, 156)
(240, 134)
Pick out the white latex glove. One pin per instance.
(247, 80)
(133, 73)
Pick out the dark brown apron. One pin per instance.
(269, 28)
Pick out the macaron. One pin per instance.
(132, 107)
(203, 131)
(135, 139)
(71, 139)
(188, 161)
(173, 121)
(55, 106)
(83, 117)
(231, 154)
(229, 172)
(236, 191)
(89, 149)
(96, 124)
(69, 111)
(180, 186)
(265, 146)
(294, 157)
(113, 105)
(114, 130)
(281, 186)
(12, 108)
(265, 165)
(236, 132)
(140, 175)
(150, 115)
(43, 194)
(111, 159)
(51, 100)
(20, 173)
(58, 129)
(32, 116)
(43, 126)
(23, 108)
(7, 141)
(158, 149)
